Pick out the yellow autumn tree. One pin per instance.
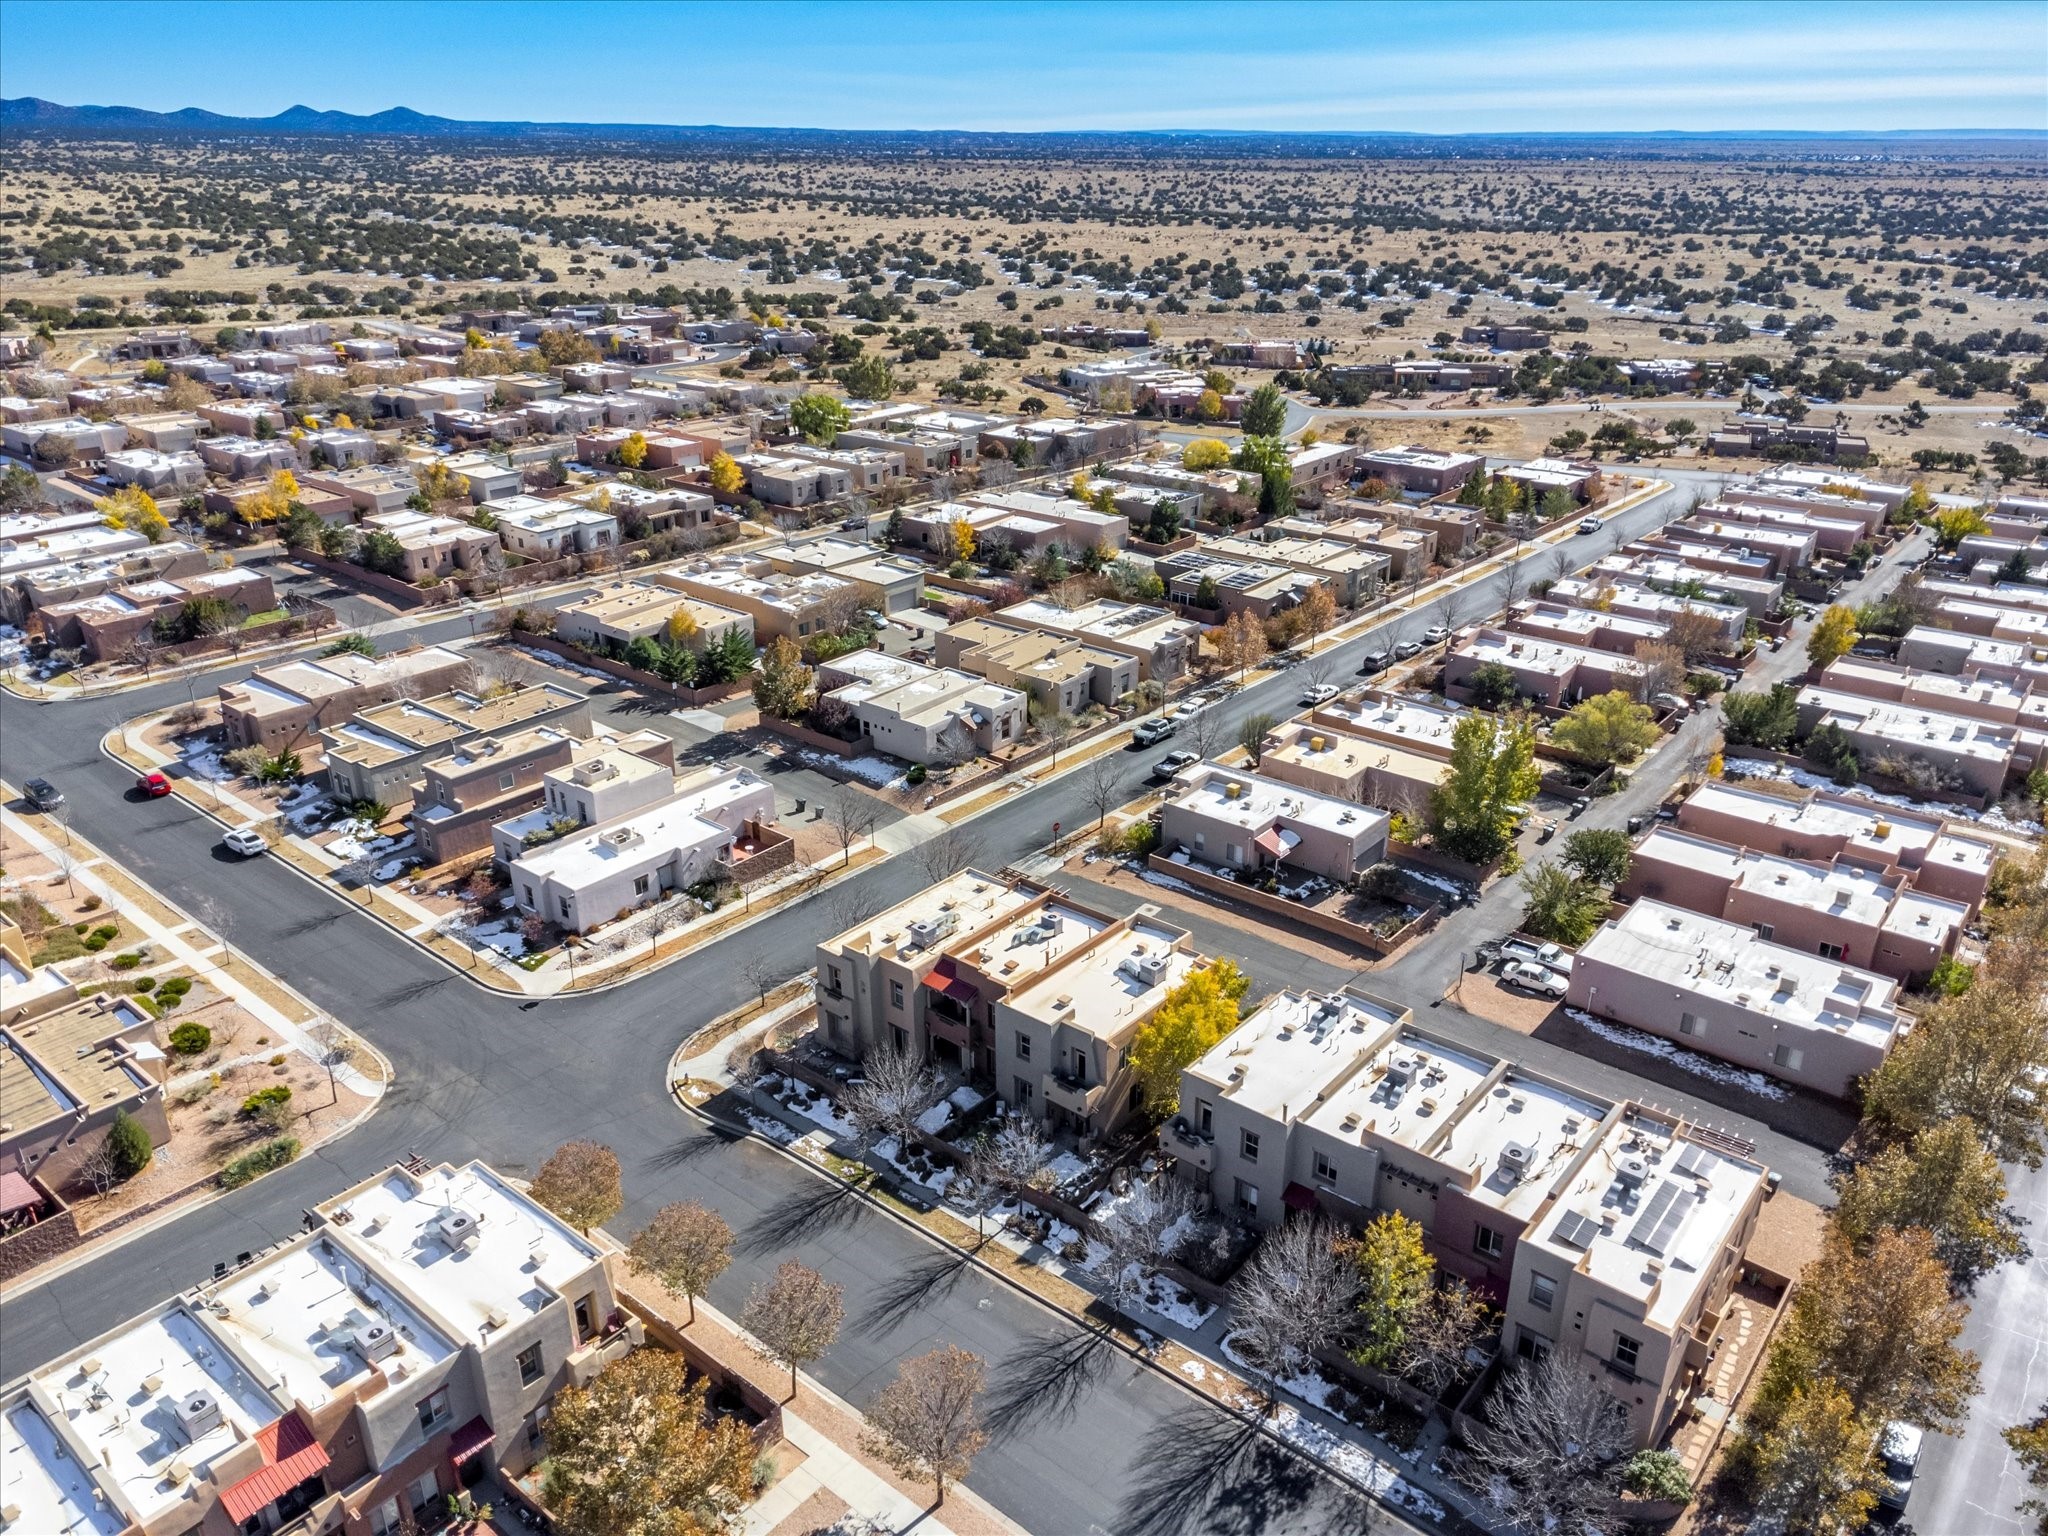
(135, 510)
(1205, 453)
(437, 482)
(1184, 1027)
(682, 626)
(963, 539)
(274, 501)
(633, 451)
(726, 475)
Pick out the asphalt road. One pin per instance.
(1087, 1443)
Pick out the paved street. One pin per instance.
(1103, 1447)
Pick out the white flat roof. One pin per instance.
(1405, 1095)
(1101, 991)
(1261, 802)
(1516, 1139)
(297, 1316)
(523, 1253)
(125, 1409)
(43, 1480)
(972, 899)
(1031, 940)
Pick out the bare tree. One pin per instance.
(218, 919)
(796, 1315)
(101, 1167)
(334, 1048)
(1550, 1451)
(1201, 732)
(1436, 1335)
(685, 1248)
(851, 816)
(947, 854)
(1663, 667)
(925, 1423)
(1140, 1231)
(1023, 1156)
(1055, 727)
(1100, 788)
(1298, 1295)
(763, 970)
(850, 903)
(1251, 735)
(581, 1184)
(894, 1088)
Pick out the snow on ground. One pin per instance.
(1433, 880)
(202, 760)
(770, 1127)
(391, 869)
(935, 1119)
(1354, 1461)
(561, 663)
(305, 808)
(801, 1099)
(879, 772)
(504, 937)
(1686, 1061)
(354, 839)
(938, 1181)
(1757, 768)
(1194, 1370)
(1174, 1303)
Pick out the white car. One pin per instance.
(246, 841)
(1590, 525)
(1320, 693)
(1528, 977)
(1436, 634)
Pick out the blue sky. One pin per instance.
(1474, 67)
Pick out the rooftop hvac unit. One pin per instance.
(1146, 970)
(496, 1318)
(176, 1473)
(927, 931)
(373, 1341)
(1517, 1158)
(1631, 1170)
(198, 1414)
(9, 1513)
(457, 1228)
(152, 1383)
(1401, 1071)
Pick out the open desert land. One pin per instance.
(1888, 279)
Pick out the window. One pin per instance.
(507, 779)
(384, 1518)
(1626, 1351)
(425, 1492)
(837, 986)
(564, 902)
(1789, 1057)
(1542, 1291)
(529, 897)
(1691, 1024)
(586, 1316)
(1247, 1197)
(1325, 1169)
(1532, 1349)
(1763, 931)
(1023, 1046)
(640, 885)
(529, 1365)
(1205, 1114)
(1248, 1146)
(1486, 1242)
(1023, 1093)
(434, 1411)
(895, 994)
(1832, 951)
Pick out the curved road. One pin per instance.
(1087, 1442)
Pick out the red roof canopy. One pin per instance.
(291, 1455)
(16, 1193)
(470, 1439)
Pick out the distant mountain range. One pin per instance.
(30, 116)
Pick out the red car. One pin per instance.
(153, 786)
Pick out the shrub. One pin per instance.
(130, 1144)
(90, 904)
(126, 962)
(1657, 1475)
(917, 774)
(191, 1038)
(106, 932)
(144, 983)
(276, 1093)
(277, 1060)
(254, 1164)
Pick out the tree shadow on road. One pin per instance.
(398, 997)
(1202, 1470)
(821, 1206)
(689, 1148)
(927, 1280)
(1046, 1379)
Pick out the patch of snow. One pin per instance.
(877, 771)
(1435, 881)
(1194, 1370)
(561, 663)
(1174, 1303)
(1153, 877)
(202, 761)
(934, 1120)
(801, 1099)
(1757, 768)
(966, 1099)
(505, 938)
(1685, 1060)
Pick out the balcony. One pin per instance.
(1070, 1093)
(1188, 1145)
(586, 1361)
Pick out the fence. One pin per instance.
(569, 651)
(1358, 935)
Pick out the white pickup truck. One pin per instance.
(1548, 956)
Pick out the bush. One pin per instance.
(190, 1039)
(90, 904)
(1141, 838)
(917, 774)
(276, 1093)
(126, 962)
(254, 1164)
(130, 1144)
(144, 983)
(1657, 1475)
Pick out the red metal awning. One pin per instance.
(471, 1438)
(17, 1194)
(1298, 1197)
(291, 1455)
(951, 986)
(1270, 841)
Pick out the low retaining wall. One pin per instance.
(54, 1235)
(403, 593)
(1442, 863)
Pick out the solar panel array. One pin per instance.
(1577, 1229)
(1693, 1159)
(1660, 1219)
